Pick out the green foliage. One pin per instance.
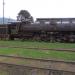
(24, 16)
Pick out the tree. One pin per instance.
(24, 16)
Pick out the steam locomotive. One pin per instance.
(45, 29)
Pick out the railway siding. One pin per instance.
(36, 48)
(13, 69)
(40, 63)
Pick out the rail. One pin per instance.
(14, 69)
(36, 48)
(41, 63)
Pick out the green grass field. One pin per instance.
(38, 53)
(37, 44)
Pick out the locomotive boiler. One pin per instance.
(52, 29)
(45, 29)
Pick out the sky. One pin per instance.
(39, 8)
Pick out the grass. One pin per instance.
(4, 72)
(38, 53)
(37, 44)
(35, 53)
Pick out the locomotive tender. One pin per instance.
(45, 29)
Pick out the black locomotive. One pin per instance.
(45, 29)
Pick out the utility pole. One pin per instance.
(3, 11)
(4, 20)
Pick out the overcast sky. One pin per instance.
(39, 8)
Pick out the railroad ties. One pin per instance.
(32, 66)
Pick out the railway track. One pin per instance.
(36, 48)
(40, 59)
(33, 65)
(14, 69)
(48, 64)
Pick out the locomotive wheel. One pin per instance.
(58, 40)
(11, 37)
(72, 40)
(36, 37)
(52, 39)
